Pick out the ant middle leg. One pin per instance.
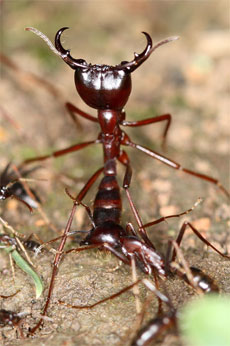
(164, 117)
(126, 184)
(175, 165)
(61, 152)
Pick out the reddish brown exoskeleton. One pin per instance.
(107, 89)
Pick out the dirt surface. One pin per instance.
(187, 78)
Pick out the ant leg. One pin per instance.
(59, 253)
(106, 246)
(187, 276)
(193, 276)
(187, 225)
(20, 330)
(156, 326)
(83, 205)
(164, 218)
(10, 296)
(174, 164)
(44, 244)
(24, 202)
(136, 290)
(61, 152)
(4, 174)
(124, 159)
(103, 300)
(164, 117)
(73, 110)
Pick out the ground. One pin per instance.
(184, 78)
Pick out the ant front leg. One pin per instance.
(164, 117)
(73, 110)
(59, 253)
(174, 164)
(61, 152)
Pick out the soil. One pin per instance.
(185, 78)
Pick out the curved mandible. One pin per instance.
(65, 53)
(140, 58)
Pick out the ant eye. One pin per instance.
(82, 62)
(124, 62)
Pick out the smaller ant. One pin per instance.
(163, 321)
(157, 325)
(6, 240)
(32, 245)
(11, 186)
(204, 282)
(10, 318)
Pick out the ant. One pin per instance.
(31, 245)
(165, 320)
(11, 186)
(107, 89)
(10, 318)
(156, 326)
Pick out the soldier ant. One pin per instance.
(11, 186)
(107, 89)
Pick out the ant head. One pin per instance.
(3, 192)
(103, 86)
